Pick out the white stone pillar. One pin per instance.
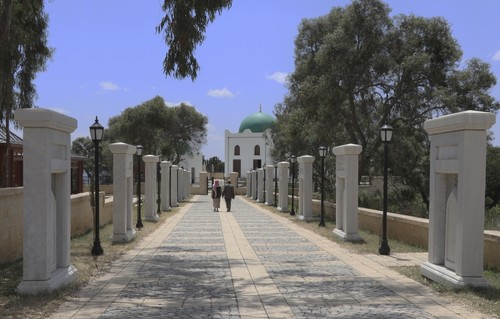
(173, 186)
(283, 173)
(260, 185)
(249, 184)
(150, 192)
(123, 230)
(305, 187)
(203, 183)
(254, 184)
(180, 184)
(165, 185)
(269, 185)
(457, 191)
(47, 200)
(347, 191)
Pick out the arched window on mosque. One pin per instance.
(237, 150)
(256, 150)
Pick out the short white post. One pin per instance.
(283, 178)
(165, 185)
(123, 230)
(305, 187)
(47, 201)
(347, 191)
(260, 185)
(173, 186)
(457, 191)
(150, 194)
(269, 185)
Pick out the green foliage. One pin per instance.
(492, 176)
(23, 53)
(171, 132)
(214, 163)
(492, 218)
(357, 69)
(183, 28)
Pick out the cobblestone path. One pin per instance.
(250, 263)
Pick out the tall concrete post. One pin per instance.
(173, 186)
(47, 200)
(456, 198)
(150, 192)
(269, 185)
(347, 191)
(165, 185)
(123, 172)
(260, 185)
(305, 187)
(283, 178)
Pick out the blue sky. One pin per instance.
(108, 56)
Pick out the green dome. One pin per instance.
(257, 122)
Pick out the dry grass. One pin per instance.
(42, 305)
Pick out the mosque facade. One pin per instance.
(250, 148)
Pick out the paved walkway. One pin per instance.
(250, 263)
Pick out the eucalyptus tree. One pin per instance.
(23, 53)
(357, 68)
(183, 28)
(171, 132)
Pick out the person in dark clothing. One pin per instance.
(228, 194)
(216, 194)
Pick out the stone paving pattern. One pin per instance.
(250, 263)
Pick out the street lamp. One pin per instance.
(293, 160)
(96, 134)
(322, 154)
(386, 135)
(158, 181)
(276, 184)
(139, 153)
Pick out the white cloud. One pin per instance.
(496, 57)
(280, 77)
(109, 86)
(220, 93)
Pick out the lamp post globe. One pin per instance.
(96, 134)
(322, 154)
(386, 136)
(293, 160)
(139, 155)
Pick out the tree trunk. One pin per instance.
(5, 24)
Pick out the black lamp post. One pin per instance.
(322, 154)
(158, 181)
(139, 154)
(293, 160)
(96, 134)
(276, 184)
(386, 135)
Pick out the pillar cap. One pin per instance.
(43, 118)
(305, 159)
(284, 164)
(462, 121)
(165, 163)
(122, 148)
(150, 159)
(347, 149)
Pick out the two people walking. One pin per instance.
(228, 194)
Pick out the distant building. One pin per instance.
(15, 177)
(194, 164)
(250, 147)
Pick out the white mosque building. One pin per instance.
(250, 147)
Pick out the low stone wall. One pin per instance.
(11, 211)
